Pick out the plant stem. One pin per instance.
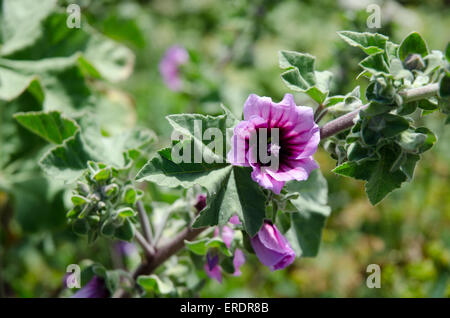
(346, 121)
(340, 124)
(144, 222)
(163, 252)
(149, 249)
(168, 249)
(411, 95)
(318, 111)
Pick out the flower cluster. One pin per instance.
(212, 267)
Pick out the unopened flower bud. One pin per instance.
(414, 62)
(200, 203)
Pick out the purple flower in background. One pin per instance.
(238, 261)
(95, 288)
(169, 66)
(272, 248)
(125, 249)
(126, 255)
(212, 267)
(235, 220)
(287, 137)
(200, 202)
(227, 234)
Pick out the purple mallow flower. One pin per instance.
(288, 138)
(272, 248)
(169, 66)
(212, 267)
(95, 288)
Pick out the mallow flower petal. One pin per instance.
(95, 288)
(227, 235)
(238, 261)
(272, 248)
(235, 220)
(214, 272)
(266, 256)
(266, 181)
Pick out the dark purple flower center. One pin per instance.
(212, 260)
(281, 150)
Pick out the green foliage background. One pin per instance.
(233, 47)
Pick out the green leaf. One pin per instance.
(386, 125)
(112, 280)
(103, 174)
(13, 84)
(201, 247)
(46, 35)
(108, 229)
(312, 211)
(377, 172)
(303, 63)
(391, 49)
(411, 141)
(376, 108)
(428, 104)
(78, 200)
(356, 152)
(37, 207)
(333, 100)
(407, 108)
(375, 64)
(231, 195)
(371, 43)
(126, 212)
(302, 77)
(194, 127)
(430, 138)
(69, 160)
(29, 15)
(409, 165)
(227, 265)
(125, 232)
(412, 43)
(60, 80)
(435, 60)
(130, 195)
(164, 172)
(444, 86)
(51, 126)
(80, 227)
(154, 284)
(231, 119)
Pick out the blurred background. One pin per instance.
(233, 49)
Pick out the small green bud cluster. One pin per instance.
(104, 204)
